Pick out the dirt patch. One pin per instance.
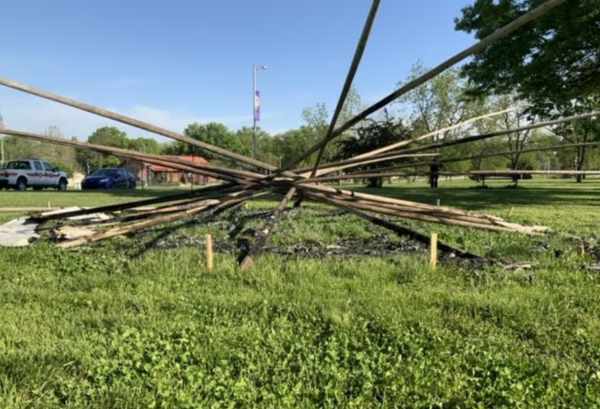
(313, 249)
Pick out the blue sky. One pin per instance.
(180, 61)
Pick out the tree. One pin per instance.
(444, 102)
(553, 62)
(59, 156)
(213, 133)
(145, 145)
(373, 135)
(289, 145)
(580, 132)
(549, 62)
(517, 118)
(440, 103)
(107, 136)
(245, 137)
(318, 119)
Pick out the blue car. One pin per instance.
(109, 178)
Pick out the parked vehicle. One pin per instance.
(109, 178)
(24, 173)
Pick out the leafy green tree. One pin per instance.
(580, 132)
(214, 133)
(552, 62)
(374, 134)
(60, 156)
(549, 62)
(291, 144)
(444, 102)
(440, 103)
(318, 118)
(107, 136)
(145, 145)
(245, 138)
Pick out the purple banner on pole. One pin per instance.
(257, 106)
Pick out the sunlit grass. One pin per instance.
(122, 325)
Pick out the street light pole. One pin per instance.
(256, 106)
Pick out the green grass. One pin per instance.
(123, 325)
(11, 198)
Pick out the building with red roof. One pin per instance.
(155, 174)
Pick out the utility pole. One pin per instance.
(2, 128)
(256, 106)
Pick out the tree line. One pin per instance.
(548, 69)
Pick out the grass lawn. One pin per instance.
(124, 324)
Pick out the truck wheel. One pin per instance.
(62, 185)
(21, 184)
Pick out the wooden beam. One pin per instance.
(205, 193)
(265, 232)
(439, 219)
(474, 49)
(175, 163)
(404, 231)
(376, 154)
(119, 231)
(133, 122)
(360, 49)
(475, 157)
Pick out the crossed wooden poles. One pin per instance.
(241, 185)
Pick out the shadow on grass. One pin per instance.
(137, 193)
(470, 197)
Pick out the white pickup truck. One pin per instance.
(21, 174)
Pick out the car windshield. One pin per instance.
(104, 172)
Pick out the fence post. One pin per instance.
(209, 253)
(433, 251)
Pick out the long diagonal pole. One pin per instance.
(134, 122)
(356, 161)
(360, 50)
(476, 157)
(276, 216)
(476, 48)
(377, 153)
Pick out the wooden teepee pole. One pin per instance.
(403, 230)
(476, 157)
(205, 193)
(265, 232)
(119, 231)
(360, 50)
(358, 161)
(175, 163)
(377, 154)
(476, 48)
(133, 122)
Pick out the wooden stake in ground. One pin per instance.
(209, 253)
(433, 251)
